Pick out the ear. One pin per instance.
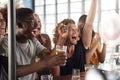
(22, 25)
(19, 25)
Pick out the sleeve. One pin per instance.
(4, 46)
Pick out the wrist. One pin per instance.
(61, 40)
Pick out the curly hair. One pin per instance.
(22, 13)
(63, 22)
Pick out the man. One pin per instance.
(27, 47)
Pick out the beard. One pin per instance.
(30, 36)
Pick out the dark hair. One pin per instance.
(22, 13)
(83, 18)
(93, 33)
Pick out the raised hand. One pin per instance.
(63, 30)
(63, 33)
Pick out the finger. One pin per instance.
(61, 61)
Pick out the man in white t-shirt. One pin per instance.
(27, 47)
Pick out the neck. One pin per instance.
(21, 39)
(70, 50)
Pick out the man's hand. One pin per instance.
(56, 60)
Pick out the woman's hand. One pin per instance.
(63, 33)
(63, 30)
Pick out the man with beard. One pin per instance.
(27, 47)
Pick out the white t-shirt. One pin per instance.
(25, 53)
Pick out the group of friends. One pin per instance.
(34, 54)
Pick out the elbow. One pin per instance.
(86, 45)
(102, 60)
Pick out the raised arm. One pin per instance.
(103, 53)
(93, 47)
(87, 30)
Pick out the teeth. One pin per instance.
(73, 37)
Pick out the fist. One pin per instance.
(56, 60)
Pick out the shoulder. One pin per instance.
(36, 42)
(4, 39)
(45, 36)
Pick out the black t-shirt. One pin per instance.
(77, 60)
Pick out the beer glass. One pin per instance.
(46, 77)
(76, 74)
(61, 50)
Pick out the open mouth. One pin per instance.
(74, 37)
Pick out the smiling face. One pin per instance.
(37, 31)
(72, 34)
(67, 29)
(2, 25)
(27, 26)
(26, 23)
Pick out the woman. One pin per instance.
(76, 57)
(85, 27)
(68, 30)
(95, 53)
(44, 39)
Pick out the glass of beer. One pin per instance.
(61, 50)
(76, 74)
(46, 77)
(87, 67)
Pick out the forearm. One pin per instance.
(87, 36)
(23, 70)
(91, 13)
(55, 71)
(66, 77)
(90, 52)
(103, 54)
(61, 40)
(87, 30)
